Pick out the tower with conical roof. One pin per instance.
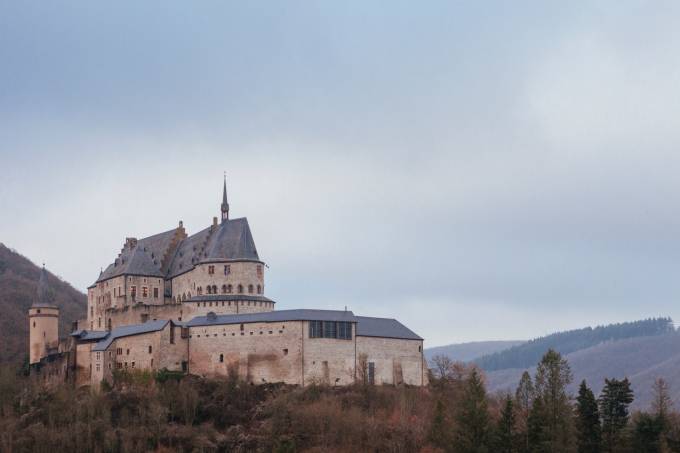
(225, 205)
(43, 317)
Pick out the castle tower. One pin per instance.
(43, 319)
(225, 205)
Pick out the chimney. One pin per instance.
(214, 222)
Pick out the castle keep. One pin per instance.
(196, 304)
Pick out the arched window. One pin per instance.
(229, 289)
(208, 289)
(240, 289)
(250, 289)
(221, 358)
(259, 289)
(199, 290)
(184, 296)
(224, 289)
(214, 289)
(189, 295)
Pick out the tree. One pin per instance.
(587, 421)
(440, 430)
(472, 417)
(647, 433)
(506, 431)
(662, 403)
(552, 416)
(614, 401)
(524, 397)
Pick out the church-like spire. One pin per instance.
(43, 296)
(225, 204)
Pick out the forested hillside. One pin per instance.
(525, 355)
(18, 285)
(466, 352)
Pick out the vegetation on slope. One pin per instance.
(527, 354)
(18, 286)
(168, 412)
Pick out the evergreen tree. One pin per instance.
(524, 397)
(647, 434)
(614, 401)
(506, 431)
(662, 403)
(538, 433)
(587, 421)
(439, 431)
(472, 418)
(552, 377)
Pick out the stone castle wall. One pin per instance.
(244, 273)
(396, 361)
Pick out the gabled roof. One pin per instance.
(142, 257)
(87, 335)
(384, 327)
(230, 240)
(126, 331)
(274, 316)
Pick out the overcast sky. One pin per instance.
(478, 170)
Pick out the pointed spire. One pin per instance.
(43, 295)
(225, 204)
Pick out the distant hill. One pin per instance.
(467, 352)
(529, 353)
(641, 359)
(18, 282)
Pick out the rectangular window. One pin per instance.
(371, 373)
(98, 367)
(341, 330)
(133, 364)
(329, 330)
(227, 269)
(155, 293)
(172, 334)
(211, 270)
(145, 291)
(150, 349)
(133, 291)
(185, 332)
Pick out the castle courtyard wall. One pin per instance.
(396, 361)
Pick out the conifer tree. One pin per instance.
(506, 431)
(472, 418)
(614, 401)
(550, 419)
(524, 397)
(587, 421)
(439, 431)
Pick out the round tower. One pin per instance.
(43, 318)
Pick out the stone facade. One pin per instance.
(196, 304)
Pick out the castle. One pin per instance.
(196, 304)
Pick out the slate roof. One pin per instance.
(43, 296)
(275, 316)
(126, 331)
(228, 241)
(85, 335)
(383, 327)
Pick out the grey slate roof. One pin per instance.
(275, 316)
(43, 297)
(126, 331)
(384, 327)
(227, 241)
(88, 335)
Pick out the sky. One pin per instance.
(477, 170)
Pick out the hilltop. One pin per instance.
(467, 352)
(18, 286)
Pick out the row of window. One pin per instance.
(145, 291)
(342, 330)
(233, 334)
(228, 289)
(227, 270)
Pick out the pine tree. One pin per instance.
(472, 419)
(647, 434)
(524, 397)
(506, 431)
(439, 431)
(552, 417)
(614, 401)
(587, 421)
